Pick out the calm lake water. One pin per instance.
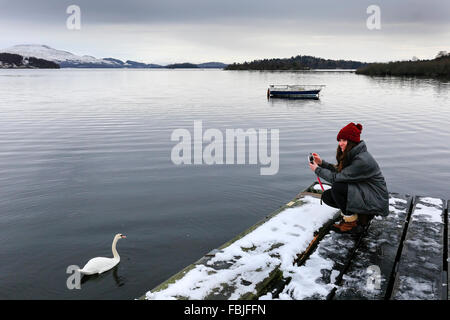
(85, 154)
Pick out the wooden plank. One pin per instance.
(420, 268)
(314, 188)
(277, 287)
(369, 273)
(316, 278)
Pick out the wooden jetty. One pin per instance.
(292, 254)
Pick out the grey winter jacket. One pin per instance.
(367, 190)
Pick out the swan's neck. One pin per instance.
(114, 250)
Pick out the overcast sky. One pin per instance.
(167, 31)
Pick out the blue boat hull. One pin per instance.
(307, 94)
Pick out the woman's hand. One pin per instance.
(317, 159)
(313, 166)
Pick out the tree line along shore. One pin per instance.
(296, 63)
(437, 67)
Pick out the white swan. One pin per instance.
(101, 264)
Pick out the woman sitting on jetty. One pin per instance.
(358, 186)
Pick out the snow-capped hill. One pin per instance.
(42, 52)
(63, 58)
(15, 61)
(67, 59)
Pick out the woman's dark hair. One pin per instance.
(341, 157)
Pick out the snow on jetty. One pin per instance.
(251, 259)
(292, 254)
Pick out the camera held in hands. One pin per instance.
(311, 158)
(311, 161)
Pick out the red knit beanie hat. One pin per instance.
(350, 132)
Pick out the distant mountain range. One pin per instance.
(67, 59)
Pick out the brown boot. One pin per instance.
(348, 224)
(344, 227)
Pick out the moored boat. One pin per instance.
(294, 91)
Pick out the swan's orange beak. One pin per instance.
(123, 236)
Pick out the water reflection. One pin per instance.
(293, 102)
(98, 278)
(76, 163)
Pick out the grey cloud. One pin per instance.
(178, 30)
(198, 11)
